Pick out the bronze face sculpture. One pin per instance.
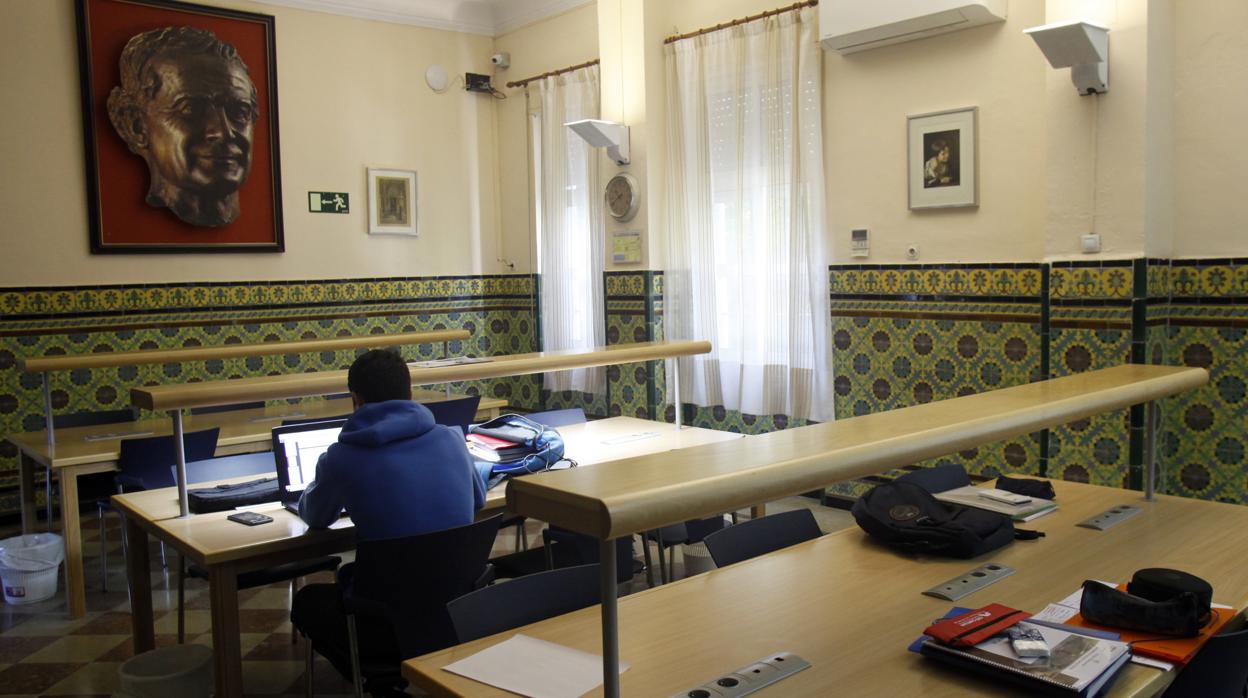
(187, 106)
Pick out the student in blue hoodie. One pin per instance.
(395, 470)
(398, 474)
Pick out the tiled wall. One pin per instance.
(497, 310)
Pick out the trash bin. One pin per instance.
(180, 670)
(697, 559)
(29, 565)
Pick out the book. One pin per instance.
(1175, 650)
(971, 496)
(1077, 665)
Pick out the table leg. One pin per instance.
(71, 530)
(26, 467)
(139, 577)
(226, 649)
(758, 511)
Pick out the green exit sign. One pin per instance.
(328, 202)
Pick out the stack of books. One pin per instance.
(982, 498)
(495, 450)
(1077, 665)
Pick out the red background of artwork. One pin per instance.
(125, 216)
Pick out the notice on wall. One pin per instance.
(626, 246)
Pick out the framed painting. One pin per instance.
(942, 164)
(179, 107)
(391, 202)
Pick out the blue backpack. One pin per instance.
(541, 446)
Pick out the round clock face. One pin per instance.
(622, 197)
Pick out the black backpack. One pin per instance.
(905, 516)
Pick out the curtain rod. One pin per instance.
(578, 66)
(743, 20)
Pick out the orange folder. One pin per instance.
(1178, 650)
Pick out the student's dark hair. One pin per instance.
(379, 375)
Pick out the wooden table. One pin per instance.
(227, 549)
(850, 607)
(74, 455)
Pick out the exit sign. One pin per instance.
(328, 202)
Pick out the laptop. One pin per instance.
(296, 449)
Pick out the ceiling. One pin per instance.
(486, 17)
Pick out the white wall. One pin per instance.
(352, 94)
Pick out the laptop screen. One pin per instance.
(296, 449)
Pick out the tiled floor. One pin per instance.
(43, 653)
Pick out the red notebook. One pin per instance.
(491, 442)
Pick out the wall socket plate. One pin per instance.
(1090, 243)
(912, 252)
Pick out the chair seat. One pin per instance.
(276, 573)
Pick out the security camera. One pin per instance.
(501, 60)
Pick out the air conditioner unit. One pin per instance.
(847, 26)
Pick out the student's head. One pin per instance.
(379, 375)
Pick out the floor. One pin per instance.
(44, 653)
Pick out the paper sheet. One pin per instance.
(1056, 613)
(533, 667)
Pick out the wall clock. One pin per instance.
(623, 197)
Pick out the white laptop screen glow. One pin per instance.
(302, 449)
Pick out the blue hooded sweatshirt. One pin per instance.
(396, 472)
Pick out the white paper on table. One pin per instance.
(533, 667)
(1076, 598)
(630, 437)
(1056, 613)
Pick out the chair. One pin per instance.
(455, 413)
(228, 408)
(394, 600)
(687, 533)
(558, 418)
(760, 536)
(563, 548)
(144, 465)
(522, 601)
(946, 476)
(1219, 670)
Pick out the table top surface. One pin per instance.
(665, 488)
(850, 607)
(75, 445)
(226, 392)
(39, 364)
(212, 538)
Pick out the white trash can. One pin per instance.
(697, 559)
(29, 566)
(184, 671)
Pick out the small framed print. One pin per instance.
(391, 202)
(942, 161)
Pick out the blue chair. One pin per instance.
(455, 413)
(259, 463)
(760, 536)
(394, 601)
(687, 533)
(144, 465)
(90, 486)
(228, 408)
(1219, 670)
(522, 601)
(558, 418)
(946, 476)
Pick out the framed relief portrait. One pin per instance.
(180, 123)
(942, 165)
(391, 202)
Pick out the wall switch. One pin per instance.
(1090, 243)
(859, 243)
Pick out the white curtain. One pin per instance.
(747, 267)
(569, 225)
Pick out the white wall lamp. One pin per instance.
(604, 134)
(1081, 46)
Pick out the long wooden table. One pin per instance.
(227, 549)
(80, 451)
(850, 606)
(659, 490)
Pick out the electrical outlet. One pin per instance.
(912, 252)
(1090, 243)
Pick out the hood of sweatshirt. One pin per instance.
(379, 423)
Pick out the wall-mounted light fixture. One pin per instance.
(604, 134)
(1081, 46)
